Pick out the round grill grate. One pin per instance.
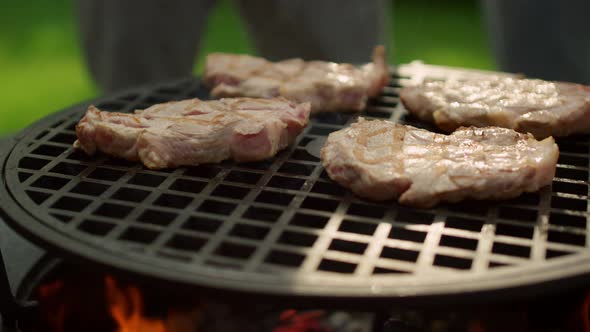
(282, 226)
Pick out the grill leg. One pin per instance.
(11, 309)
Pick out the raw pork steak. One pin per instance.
(382, 160)
(539, 107)
(327, 86)
(193, 132)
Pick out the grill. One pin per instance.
(282, 227)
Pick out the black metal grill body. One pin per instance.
(282, 227)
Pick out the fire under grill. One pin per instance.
(282, 227)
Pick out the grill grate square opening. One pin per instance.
(407, 234)
(230, 191)
(119, 162)
(304, 141)
(201, 224)
(512, 213)
(285, 182)
(356, 227)
(377, 114)
(569, 203)
(296, 169)
(249, 231)
(61, 217)
(234, 250)
(41, 134)
(98, 228)
(309, 220)
(320, 204)
(525, 199)
(464, 224)
(23, 176)
(415, 217)
(551, 253)
(300, 154)
(571, 147)
(328, 189)
(173, 201)
(140, 235)
(382, 270)
(49, 150)
(567, 238)
(243, 177)
(206, 172)
(71, 204)
(217, 207)
(570, 188)
(272, 197)
(188, 186)
(148, 180)
(297, 239)
(106, 174)
(156, 217)
(32, 163)
(399, 254)
(573, 160)
(37, 197)
(50, 182)
(321, 131)
(363, 210)
(111, 106)
(332, 118)
(68, 169)
(493, 264)
(89, 188)
(261, 165)
(511, 250)
(573, 174)
(452, 262)
(515, 231)
(458, 242)
(562, 219)
(336, 266)
(130, 195)
(260, 213)
(285, 258)
(186, 243)
(348, 246)
(113, 210)
(78, 155)
(63, 138)
(469, 207)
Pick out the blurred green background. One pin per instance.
(42, 71)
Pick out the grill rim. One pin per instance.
(567, 271)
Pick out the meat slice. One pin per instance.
(539, 107)
(382, 160)
(327, 86)
(193, 132)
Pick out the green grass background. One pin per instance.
(42, 71)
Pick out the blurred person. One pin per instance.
(133, 42)
(545, 39)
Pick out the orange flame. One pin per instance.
(56, 320)
(126, 308)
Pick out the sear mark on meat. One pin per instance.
(382, 160)
(327, 86)
(539, 107)
(193, 132)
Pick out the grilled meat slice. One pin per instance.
(327, 86)
(193, 132)
(539, 107)
(382, 160)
